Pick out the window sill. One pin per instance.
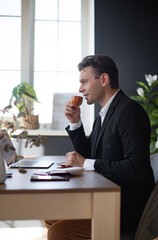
(45, 132)
(42, 132)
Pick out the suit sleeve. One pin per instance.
(81, 143)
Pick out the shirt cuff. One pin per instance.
(74, 126)
(89, 164)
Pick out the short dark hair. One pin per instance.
(101, 64)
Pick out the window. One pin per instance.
(57, 52)
(10, 48)
(43, 42)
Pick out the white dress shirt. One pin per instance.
(89, 163)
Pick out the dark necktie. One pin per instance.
(97, 129)
(96, 134)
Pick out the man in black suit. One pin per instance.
(118, 147)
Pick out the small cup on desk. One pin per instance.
(76, 101)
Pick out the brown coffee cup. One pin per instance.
(76, 101)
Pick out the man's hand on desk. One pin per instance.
(74, 159)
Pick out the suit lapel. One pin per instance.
(107, 118)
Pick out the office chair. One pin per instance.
(148, 225)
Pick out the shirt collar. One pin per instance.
(104, 109)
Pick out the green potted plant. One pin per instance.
(9, 127)
(148, 98)
(24, 94)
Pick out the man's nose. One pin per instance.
(80, 89)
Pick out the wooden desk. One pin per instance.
(86, 196)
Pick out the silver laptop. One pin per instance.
(9, 154)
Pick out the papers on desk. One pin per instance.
(66, 170)
(61, 171)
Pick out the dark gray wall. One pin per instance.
(127, 31)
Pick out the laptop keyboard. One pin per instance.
(26, 163)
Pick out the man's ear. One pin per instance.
(105, 79)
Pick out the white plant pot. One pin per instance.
(154, 164)
(3, 174)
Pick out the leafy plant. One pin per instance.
(22, 93)
(10, 127)
(148, 98)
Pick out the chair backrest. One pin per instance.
(148, 225)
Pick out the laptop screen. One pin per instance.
(9, 152)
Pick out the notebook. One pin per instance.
(9, 155)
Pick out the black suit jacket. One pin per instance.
(122, 155)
